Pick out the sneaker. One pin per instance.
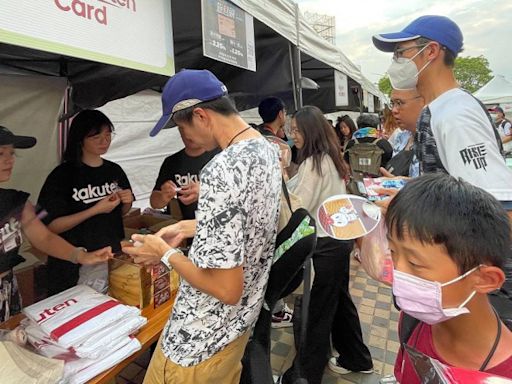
(282, 318)
(335, 367)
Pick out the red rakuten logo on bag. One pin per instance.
(49, 312)
(94, 10)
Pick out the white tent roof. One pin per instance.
(280, 15)
(496, 91)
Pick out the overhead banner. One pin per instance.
(371, 103)
(228, 34)
(133, 34)
(341, 89)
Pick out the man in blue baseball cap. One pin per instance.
(455, 133)
(227, 269)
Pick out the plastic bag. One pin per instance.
(17, 336)
(431, 371)
(375, 256)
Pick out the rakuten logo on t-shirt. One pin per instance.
(183, 180)
(90, 194)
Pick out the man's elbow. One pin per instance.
(230, 296)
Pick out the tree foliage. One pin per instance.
(472, 73)
(385, 85)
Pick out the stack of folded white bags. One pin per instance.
(90, 331)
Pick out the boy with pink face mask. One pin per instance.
(449, 241)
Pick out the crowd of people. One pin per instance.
(449, 232)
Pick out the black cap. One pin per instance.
(9, 138)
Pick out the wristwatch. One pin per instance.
(75, 253)
(165, 257)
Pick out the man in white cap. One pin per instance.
(225, 276)
(455, 133)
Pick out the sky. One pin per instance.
(485, 24)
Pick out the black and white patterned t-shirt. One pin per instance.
(236, 225)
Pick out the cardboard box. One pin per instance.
(145, 224)
(128, 282)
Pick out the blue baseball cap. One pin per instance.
(436, 28)
(185, 89)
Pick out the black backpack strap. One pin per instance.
(306, 296)
(407, 326)
(286, 194)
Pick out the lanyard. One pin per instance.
(489, 355)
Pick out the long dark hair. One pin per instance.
(350, 124)
(319, 139)
(88, 122)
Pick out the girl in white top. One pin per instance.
(321, 175)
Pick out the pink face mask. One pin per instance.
(423, 299)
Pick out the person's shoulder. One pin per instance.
(112, 165)
(62, 170)
(457, 103)
(10, 195)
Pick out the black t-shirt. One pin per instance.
(70, 189)
(183, 169)
(382, 144)
(12, 203)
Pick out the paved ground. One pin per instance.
(378, 322)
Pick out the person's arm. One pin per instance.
(507, 129)
(388, 151)
(225, 284)
(175, 234)
(125, 192)
(50, 243)
(165, 189)
(65, 223)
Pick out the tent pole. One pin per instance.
(292, 71)
(298, 68)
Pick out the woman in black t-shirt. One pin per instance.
(16, 215)
(86, 197)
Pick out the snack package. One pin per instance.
(381, 182)
(375, 255)
(430, 371)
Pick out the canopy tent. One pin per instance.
(496, 91)
(96, 77)
(320, 58)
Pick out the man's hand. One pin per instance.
(168, 190)
(126, 196)
(172, 235)
(100, 256)
(189, 193)
(107, 204)
(149, 250)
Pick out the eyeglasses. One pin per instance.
(399, 52)
(398, 103)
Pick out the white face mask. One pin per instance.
(423, 299)
(403, 72)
